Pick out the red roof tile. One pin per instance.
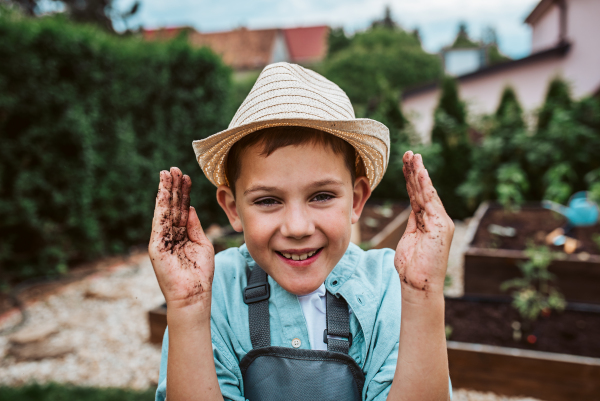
(165, 33)
(241, 48)
(307, 44)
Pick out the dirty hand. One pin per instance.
(422, 253)
(182, 256)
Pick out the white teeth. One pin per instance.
(294, 256)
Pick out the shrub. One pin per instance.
(87, 120)
(450, 135)
(553, 160)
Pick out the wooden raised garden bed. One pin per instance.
(562, 364)
(490, 259)
(157, 319)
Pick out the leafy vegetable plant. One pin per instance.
(533, 293)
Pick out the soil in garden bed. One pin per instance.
(531, 223)
(376, 216)
(569, 332)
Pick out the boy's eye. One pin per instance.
(266, 202)
(322, 197)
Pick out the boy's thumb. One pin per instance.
(194, 228)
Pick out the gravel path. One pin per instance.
(99, 326)
(103, 319)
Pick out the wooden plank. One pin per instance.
(157, 319)
(486, 270)
(391, 234)
(516, 372)
(474, 222)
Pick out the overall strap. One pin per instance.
(338, 325)
(256, 296)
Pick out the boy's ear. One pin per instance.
(227, 201)
(362, 192)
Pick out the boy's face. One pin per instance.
(295, 207)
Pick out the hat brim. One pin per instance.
(362, 133)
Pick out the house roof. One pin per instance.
(307, 44)
(558, 51)
(165, 33)
(242, 48)
(539, 11)
(247, 49)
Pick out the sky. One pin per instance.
(437, 20)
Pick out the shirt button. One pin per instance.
(296, 343)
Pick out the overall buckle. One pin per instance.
(248, 299)
(326, 339)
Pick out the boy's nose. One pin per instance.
(297, 223)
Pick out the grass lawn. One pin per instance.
(61, 392)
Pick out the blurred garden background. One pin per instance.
(89, 114)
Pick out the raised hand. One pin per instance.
(182, 256)
(422, 253)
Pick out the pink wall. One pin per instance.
(545, 33)
(580, 66)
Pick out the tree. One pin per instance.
(387, 21)
(551, 161)
(337, 41)
(450, 134)
(394, 54)
(497, 166)
(490, 40)
(462, 38)
(565, 145)
(98, 12)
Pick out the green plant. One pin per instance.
(596, 239)
(593, 180)
(552, 160)
(65, 392)
(448, 329)
(533, 292)
(497, 165)
(512, 182)
(450, 134)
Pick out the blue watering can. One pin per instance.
(580, 212)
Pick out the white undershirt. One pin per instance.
(314, 306)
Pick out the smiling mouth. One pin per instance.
(299, 256)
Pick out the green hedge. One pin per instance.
(87, 121)
(62, 392)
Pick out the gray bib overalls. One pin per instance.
(281, 373)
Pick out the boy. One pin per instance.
(294, 170)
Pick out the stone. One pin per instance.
(37, 351)
(36, 333)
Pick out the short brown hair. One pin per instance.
(274, 138)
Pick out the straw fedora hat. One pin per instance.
(289, 95)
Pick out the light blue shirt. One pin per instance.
(367, 280)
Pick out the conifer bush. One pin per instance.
(87, 121)
(555, 158)
(449, 134)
